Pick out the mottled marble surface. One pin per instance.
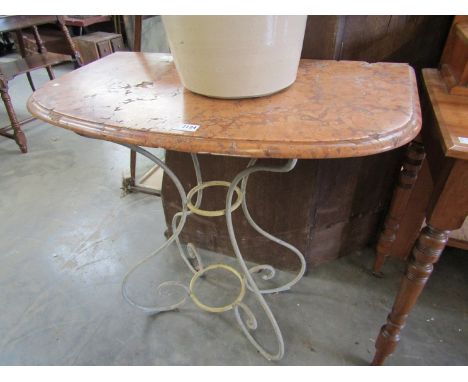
(334, 109)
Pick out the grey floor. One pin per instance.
(68, 235)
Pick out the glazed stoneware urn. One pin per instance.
(236, 56)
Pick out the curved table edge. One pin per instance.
(251, 149)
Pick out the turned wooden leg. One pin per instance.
(42, 49)
(75, 53)
(428, 248)
(133, 157)
(446, 211)
(50, 72)
(30, 80)
(20, 138)
(411, 165)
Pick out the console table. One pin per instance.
(333, 110)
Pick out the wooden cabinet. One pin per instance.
(104, 48)
(117, 44)
(98, 44)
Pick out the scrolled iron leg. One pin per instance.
(251, 323)
(261, 231)
(193, 260)
(175, 234)
(189, 254)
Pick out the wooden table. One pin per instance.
(333, 110)
(444, 143)
(40, 59)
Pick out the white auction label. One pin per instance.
(463, 140)
(186, 127)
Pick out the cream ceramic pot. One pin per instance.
(236, 56)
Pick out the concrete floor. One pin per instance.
(68, 235)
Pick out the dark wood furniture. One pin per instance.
(51, 37)
(344, 200)
(82, 22)
(96, 45)
(28, 63)
(433, 185)
(407, 214)
(454, 61)
(138, 99)
(445, 139)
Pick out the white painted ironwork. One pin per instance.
(244, 315)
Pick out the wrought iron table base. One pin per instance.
(193, 260)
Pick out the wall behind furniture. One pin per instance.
(338, 204)
(153, 36)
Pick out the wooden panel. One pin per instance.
(395, 39)
(97, 37)
(377, 38)
(117, 44)
(88, 51)
(29, 42)
(337, 206)
(97, 44)
(53, 39)
(321, 36)
(104, 48)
